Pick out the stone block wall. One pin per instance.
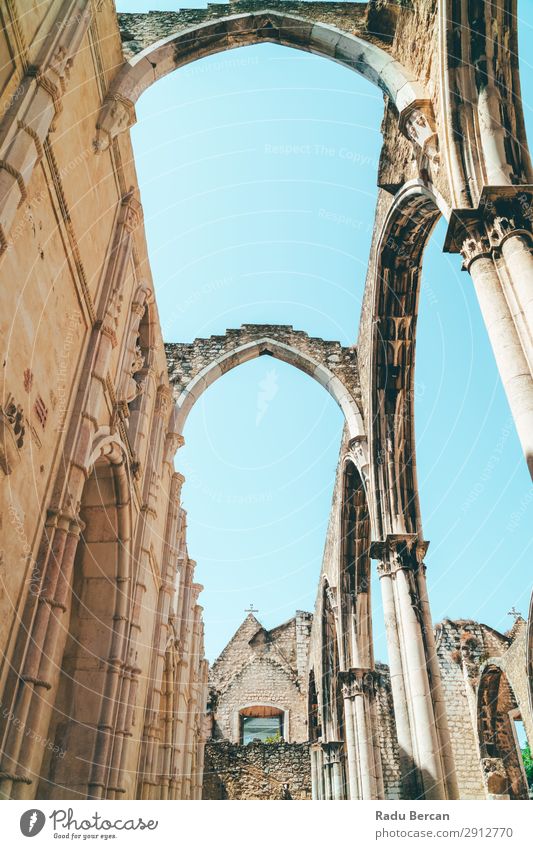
(388, 744)
(260, 667)
(256, 771)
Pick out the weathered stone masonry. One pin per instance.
(259, 669)
(91, 413)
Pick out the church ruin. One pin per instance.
(103, 679)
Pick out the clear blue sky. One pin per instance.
(257, 170)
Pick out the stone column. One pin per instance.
(420, 725)
(358, 692)
(335, 759)
(517, 253)
(509, 351)
(326, 767)
(313, 754)
(351, 743)
(42, 667)
(410, 783)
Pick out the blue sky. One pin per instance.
(257, 170)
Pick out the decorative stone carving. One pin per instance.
(474, 247)
(485, 235)
(118, 115)
(357, 682)
(12, 431)
(399, 551)
(331, 593)
(133, 216)
(418, 124)
(359, 449)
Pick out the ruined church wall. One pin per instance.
(256, 771)
(54, 273)
(262, 681)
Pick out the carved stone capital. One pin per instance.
(173, 442)
(399, 551)
(475, 246)
(358, 447)
(333, 752)
(495, 775)
(357, 682)
(503, 212)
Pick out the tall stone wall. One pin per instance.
(84, 390)
(256, 771)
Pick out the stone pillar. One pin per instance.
(516, 250)
(420, 726)
(351, 743)
(326, 767)
(508, 324)
(173, 534)
(358, 692)
(41, 669)
(410, 784)
(335, 759)
(313, 754)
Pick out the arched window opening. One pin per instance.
(86, 704)
(333, 707)
(355, 571)
(315, 731)
(500, 745)
(261, 724)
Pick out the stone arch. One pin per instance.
(389, 334)
(392, 331)
(497, 707)
(333, 717)
(194, 367)
(332, 709)
(313, 710)
(228, 32)
(91, 655)
(354, 577)
(260, 708)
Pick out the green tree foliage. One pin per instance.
(528, 764)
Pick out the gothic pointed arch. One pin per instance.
(193, 367)
(340, 43)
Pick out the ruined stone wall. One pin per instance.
(514, 664)
(464, 648)
(459, 648)
(261, 667)
(140, 30)
(388, 744)
(256, 771)
(187, 360)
